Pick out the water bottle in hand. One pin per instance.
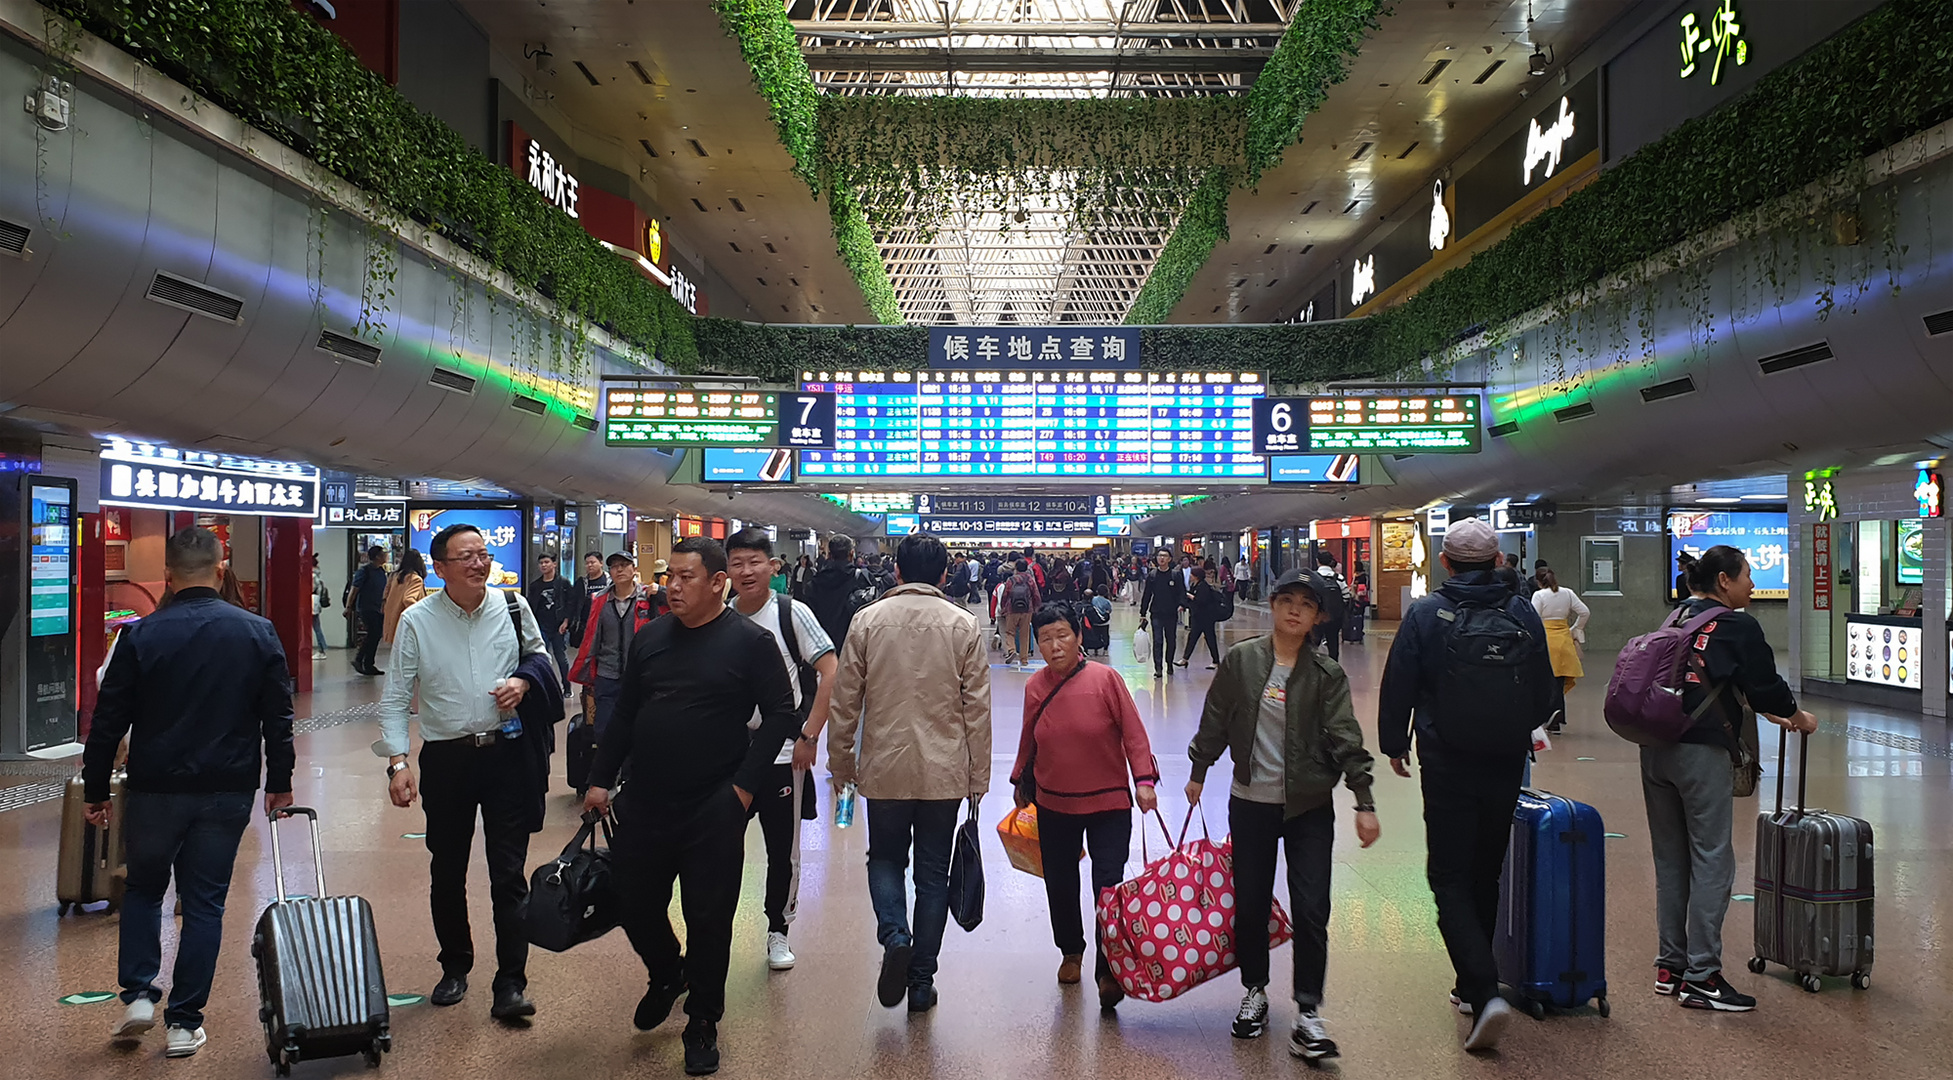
(844, 808)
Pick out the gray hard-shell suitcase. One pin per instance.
(93, 862)
(320, 990)
(1813, 888)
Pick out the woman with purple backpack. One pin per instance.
(1690, 785)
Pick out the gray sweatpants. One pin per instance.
(1691, 809)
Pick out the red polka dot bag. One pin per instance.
(1171, 928)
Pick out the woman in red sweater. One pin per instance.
(1081, 736)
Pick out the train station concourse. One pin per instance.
(723, 499)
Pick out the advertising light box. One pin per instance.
(1884, 651)
(501, 530)
(1763, 537)
(1405, 424)
(1313, 469)
(745, 465)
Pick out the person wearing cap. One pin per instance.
(1282, 710)
(1470, 666)
(614, 619)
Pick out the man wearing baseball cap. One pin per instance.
(1470, 665)
(615, 617)
(1282, 710)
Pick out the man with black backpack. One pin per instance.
(840, 588)
(1470, 663)
(1021, 598)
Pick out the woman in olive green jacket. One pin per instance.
(1282, 710)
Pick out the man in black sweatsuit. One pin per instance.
(691, 683)
(1159, 604)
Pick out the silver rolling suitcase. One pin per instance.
(1813, 888)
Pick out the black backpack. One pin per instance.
(1485, 703)
(1020, 593)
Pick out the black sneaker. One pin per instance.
(701, 1041)
(1715, 993)
(1252, 1019)
(922, 998)
(894, 981)
(655, 1007)
(1667, 981)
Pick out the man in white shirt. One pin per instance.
(806, 650)
(458, 648)
(973, 570)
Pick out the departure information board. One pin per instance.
(1418, 424)
(1082, 424)
(690, 416)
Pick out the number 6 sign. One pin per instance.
(1281, 425)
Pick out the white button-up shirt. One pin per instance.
(454, 658)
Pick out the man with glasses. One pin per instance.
(459, 649)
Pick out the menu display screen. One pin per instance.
(1086, 424)
(1763, 536)
(1421, 424)
(690, 416)
(50, 574)
(1884, 651)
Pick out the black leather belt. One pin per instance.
(479, 738)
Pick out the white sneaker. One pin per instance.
(137, 1019)
(1489, 1025)
(778, 956)
(184, 1042)
(1310, 1040)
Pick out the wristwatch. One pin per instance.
(1366, 808)
(395, 769)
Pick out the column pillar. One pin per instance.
(286, 592)
(91, 642)
(1932, 620)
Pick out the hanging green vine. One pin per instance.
(1201, 229)
(1312, 56)
(276, 69)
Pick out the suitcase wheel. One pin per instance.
(1756, 965)
(1811, 983)
(1534, 1008)
(1605, 1009)
(1861, 980)
(63, 909)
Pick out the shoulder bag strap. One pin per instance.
(1031, 760)
(515, 616)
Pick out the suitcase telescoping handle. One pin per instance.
(1803, 764)
(277, 861)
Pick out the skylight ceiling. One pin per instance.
(953, 260)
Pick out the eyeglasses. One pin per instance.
(472, 558)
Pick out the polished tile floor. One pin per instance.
(1002, 1012)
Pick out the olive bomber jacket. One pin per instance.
(1324, 743)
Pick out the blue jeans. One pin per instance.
(197, 836)
(930, 825)
(559, 649)
(605, 691)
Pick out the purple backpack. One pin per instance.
(1644, 698)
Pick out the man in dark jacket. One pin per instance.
(556, 603)
(691, 684)
(1159, 608)
(1473, 725)
(196, 686)
(366, 595)
(831, 596)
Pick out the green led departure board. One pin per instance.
(690, 416)
(1410, 424)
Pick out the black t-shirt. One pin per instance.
(1735, 658)
(682, 708)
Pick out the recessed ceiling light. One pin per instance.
(1719, 500)
(1778, 497)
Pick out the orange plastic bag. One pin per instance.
(1019, 833)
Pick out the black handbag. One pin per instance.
(571, 898)
(966, 874)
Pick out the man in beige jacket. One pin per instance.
(909, 725)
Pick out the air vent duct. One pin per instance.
(1573, 412)
(587, 423)
(196, 298)
(527, 404)
(1669, 389)
(348, 348)
(450, 379)
(13, 238)
(1795, 358)
(1500, 431)
(1936, 325)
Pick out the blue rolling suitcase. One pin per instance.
(1551, 940)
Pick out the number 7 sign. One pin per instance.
(1280, 425)
(807, 420)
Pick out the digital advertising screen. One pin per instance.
(1762, 535)
(50, 574)
(1049, 424)
(1909, 551)
(745, 465)
(501, 530)
(1313, 469)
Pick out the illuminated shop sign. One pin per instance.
(1363, 280)
(1545, 144)
(547, 176)
(1821, 495)
(1719, 33)
(1930, 490)
(372, 515)
(1440, 217)
(164, 478)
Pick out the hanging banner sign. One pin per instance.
(1033, 346)
(1021, 505)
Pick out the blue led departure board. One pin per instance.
(1085, 424)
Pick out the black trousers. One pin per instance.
(702, 847)
(778, 811)
(1165, 628)
(369, 646)
(1309, 839)
(1202, 630)
(1108, 835)
(457, 781)
(1468, 807)
(1332, 636)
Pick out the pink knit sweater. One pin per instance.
(1088, 740)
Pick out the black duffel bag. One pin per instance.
(571, 898)
(966, 873)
